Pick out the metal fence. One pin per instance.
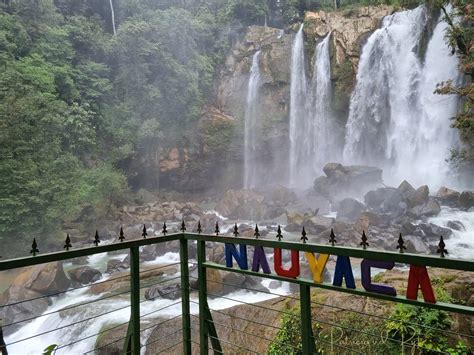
(228, 331)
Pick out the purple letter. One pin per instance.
(259, 258)
(367, 284)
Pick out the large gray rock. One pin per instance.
(84, 275)
(341, 181)
(419, 197)
(170, 292)
(386, 200)
(448, 196)
(429, 209)
(349, 208)
(466, 199)
(244, 204)
(45, 279)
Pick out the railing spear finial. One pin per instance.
(442, 247)
(304, 238)
(236, 230)
(144, 232)
(332, 238)
(183, 227)
(96, 238)
(364, 241)
(401, 244)
(217, 231)
(121, 235)
(67, 243)
(164, 230)
(256, 234)
(34, 247)
(199, 228)
(279, 235)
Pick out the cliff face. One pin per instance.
(218, 139)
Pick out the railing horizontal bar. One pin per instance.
(157, 324)
(70, 325)
(237, 317)
(456, 308)
(336, 307)
(106, 345)
(161, 338)
(67, 308)
(76, 253)
(405, 258)
(169, 347)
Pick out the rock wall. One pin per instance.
(211, 155)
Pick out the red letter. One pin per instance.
(294, 271)
(418, 278)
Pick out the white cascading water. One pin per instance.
(313, 134)
(298, 89)
(112, 13)
(250, 130)
(395, 120)
(322, 146)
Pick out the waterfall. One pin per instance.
(322, 146)
(313, 134)
(250, 132)
(395, 121)
(113, 16)
(298, 88)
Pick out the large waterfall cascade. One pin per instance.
(251, 120)
(312, 130)
(395, 120)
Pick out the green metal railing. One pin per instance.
(207, 327)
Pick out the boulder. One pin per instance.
(295, 218)
(282, 195)
(405, 189)
(171, 292)
(429, 209)
(341, 181)
(432, 231)
(244, 204)
(45, 279)
(85, 275)
(466, 199)
(366, 220)
(386, 200)
(419, 197)
(317, 224)
(349, 208)
(456, 225)
(334, 170)
(447, 196)
(17, 293)
(115, 265)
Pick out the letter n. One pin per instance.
(241, 258)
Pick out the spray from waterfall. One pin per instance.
(113, 16)
(395, 121)
(250, 131)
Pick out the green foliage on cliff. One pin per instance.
(460, 37)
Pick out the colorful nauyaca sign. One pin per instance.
(418, 278)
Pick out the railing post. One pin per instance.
(3, 346)
(306, 328)
(203, 330)
(135, 299)
(186, 318)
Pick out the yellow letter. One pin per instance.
(317, 266)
